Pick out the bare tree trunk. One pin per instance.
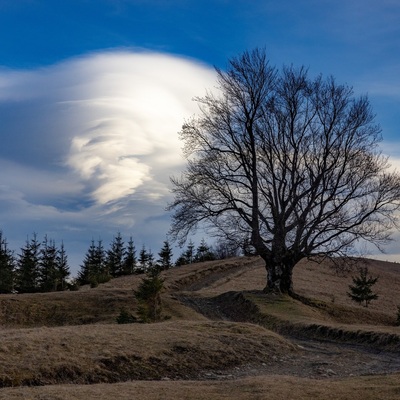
(279, 278)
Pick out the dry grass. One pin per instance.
(112, 353)
(255, 388)
(57, 339)
(99, 305)
(322, 282)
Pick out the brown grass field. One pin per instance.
(222, 338)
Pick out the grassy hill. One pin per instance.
(222, 338)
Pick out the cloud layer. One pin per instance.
(88, 146)
(92, 141)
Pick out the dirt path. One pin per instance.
(314, 359)
(325, 360)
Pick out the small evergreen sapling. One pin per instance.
(148, 296)
(361, 291)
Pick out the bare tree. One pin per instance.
(288, 161)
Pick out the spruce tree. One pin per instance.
(129, 264)
(62, 268)
(7, 266)
(143, 259)
(189, 253)
(87, 265)
(115, 257)
(203, 252)
(48, 268)
(361, 291)
(101, 273)
(148, 296)
(150, 261)
(187, 257)
(28, 266)
(93, 270)
(165, 254)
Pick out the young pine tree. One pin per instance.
(148, 296)
(360, 290)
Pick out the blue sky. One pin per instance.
(93, 93)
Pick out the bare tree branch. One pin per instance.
(290, 162)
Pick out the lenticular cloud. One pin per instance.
(131, 107)
(107, 123)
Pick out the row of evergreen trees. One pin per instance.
(39, 267)
(43, 267)
(100, 265)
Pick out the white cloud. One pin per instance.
(88, 146)
(90, 143)
(116, 116)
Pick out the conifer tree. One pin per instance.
(148, 296)
(100, 272)
(87, 265)
(48, 268)
(115, 256)
(187, 257)
(165, 254)
(203, 252)
(93, 270)
(150, 261)
(129, 265)
(7, 266)
(28, 266)
(62, 267)
(143, 259)
(189, 254)
(361, 291)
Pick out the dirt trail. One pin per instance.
(314, 359)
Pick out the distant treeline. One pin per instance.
(100, 265)
(43, 266)
(39, 267)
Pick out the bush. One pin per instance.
(73, 285)
(125, 317)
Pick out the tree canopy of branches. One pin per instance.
(288, 162)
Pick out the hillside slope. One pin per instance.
(219, 327)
